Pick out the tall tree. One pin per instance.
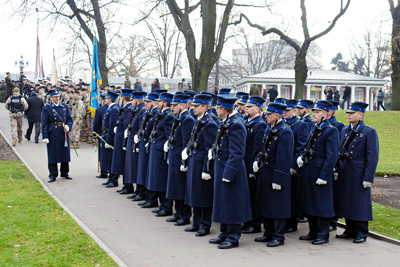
(395, 59)
(300, 65)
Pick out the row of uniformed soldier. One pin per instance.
(188, 157)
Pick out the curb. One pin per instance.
(79, 222)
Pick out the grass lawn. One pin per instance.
(386, 221)
(35, 230)
(387, 125)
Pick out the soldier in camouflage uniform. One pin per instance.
(16, 104)
(84, 130)
(78, 112)
(89, 118)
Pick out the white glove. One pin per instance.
(367, 184)
(46, 141)
(183, 168)
(225, 180)
(276, 186)
(115, 130)
(321, 182)
(137, 150)
(126, 133)
(252, 176)
(300, 162)
(124, 148)
(292, 171)
(255, 166)
(136, 139)
(335, 176)
(66, 128)
(210, 154)
(184, 154)
(107, 146)
(166, 146)
(205, 176)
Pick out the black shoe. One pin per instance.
(51, 180)
(203, 232)
(182, 222)
(27, 138)
(163, 213)
(120, 190)
(106, 183)
(344, 236)
(156, 210)
(172, 219)
(290, 230)
(132, 197)
(126, 191)
(320, 241)
(67, 177)
(191, 229)
(142, 203)
(150, 205)
(138, 198)
(36, 141)
(228, 245)
(111, 184)
(102, 175)
(332, 228)
(302, 219)
(306, 237)
(250, 230)
(263, 239)
(359, 240)
(275, 243)
(216, 240)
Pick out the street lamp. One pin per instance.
(21, 63)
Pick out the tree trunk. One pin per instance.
(301, 71)
(395, 61)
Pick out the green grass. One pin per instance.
(387, 125)
(386, 221)
(35, 230)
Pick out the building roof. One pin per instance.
(315, 76)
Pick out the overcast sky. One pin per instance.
(17, 38)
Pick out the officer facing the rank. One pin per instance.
(231, 191)
(303, 109)
(358, 159)
(56, 123)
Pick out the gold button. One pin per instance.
(269, 142)
(144, 139)
(219, 159)
(268, 149)
(351, 152)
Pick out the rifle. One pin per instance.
(343, 153)
(263, 154)
(121, 110)
(171, 138)
(154, 130)
(135, 111)
(192, 141)
(308, 151)
(140, 133)
(215, 149)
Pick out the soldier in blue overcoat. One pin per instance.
(255, 127)
(177, 141)
(356, 174)
(199, 179)
(56, 123)
(118, 159)
(110, 118)
(317, 163)
(300, 133)
(303, 109)
(231, 205)
(211, 110)
(131, 158)
(273, 183)
(97, 125)
(140, 140)
(157, 173)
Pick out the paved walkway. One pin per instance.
(140, 239)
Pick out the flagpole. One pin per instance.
(37, 70)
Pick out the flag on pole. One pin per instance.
(42, 70)
(54, 75)
(96, 81)
(37, 66)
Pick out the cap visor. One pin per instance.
(316, 109)
(250, 104)
(351, 111)
(300, 106)
(147, 99)
(289, 108)
(269, 112)
(196, 104)
(175, 103)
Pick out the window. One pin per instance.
(359, 94)
(314, 95)
(285, 92)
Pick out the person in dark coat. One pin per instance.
(300, 134)
(346, 95)
(212, 111)
(109, 120)
(273, 183)
(332, 118)
(336, 95)
(131, 157)
(56, 123)
(199, 179)
(315, 184)
(356, 174)
(157, 173)
(329, 94)
(231, 205)
(273, 93)
(177, 141)
(9, 86)
(303, 109)
(118, 158)
(97, 129)
(34, 113)
(140, 140)
(255, 127)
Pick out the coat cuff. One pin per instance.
(230, 173)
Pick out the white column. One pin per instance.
(293, 92)
(367, 96)
(353, 94)
(248, 85)
(308, 92)
(279, 90)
